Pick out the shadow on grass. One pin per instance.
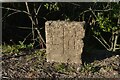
(96, 55)
(93, 50)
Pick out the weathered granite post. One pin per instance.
(64, 42)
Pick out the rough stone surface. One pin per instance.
(64, 41)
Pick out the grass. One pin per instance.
(88, 67)
(15, 48)
(40, 55)
(36, 60)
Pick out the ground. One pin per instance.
(32, 63)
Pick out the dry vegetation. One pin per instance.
(30, 63)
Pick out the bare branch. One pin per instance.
(26, 37)
(93, 11)
(38, 9)
(33, 23)
(101, 43)
(40, 37)
(34, 9)
(115, 42)
(10, 15)
(117, 48)
(16, 10)
(104, 41)
(75, 4)
(118, 45)
(5, 15)
(29, 13)
(27, 27)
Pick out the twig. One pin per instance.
(104, 41)
(101, 42)
(26, 37)
(117, 48)
(115, 42)
(17, 10)
(29, 13)
(5, 15)
(38, 9)
(36, 24)
(112, 39)
(41, 39)
(92, 12)
(118, 45)
(33, 23)
(75, 4)
(27, 28)
(10, 15)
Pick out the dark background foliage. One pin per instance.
(13, 26)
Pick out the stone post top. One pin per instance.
(82, 23)
(64, 21)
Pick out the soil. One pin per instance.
(33, 64)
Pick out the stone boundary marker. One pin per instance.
(64, 41)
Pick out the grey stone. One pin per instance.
(64, 42)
